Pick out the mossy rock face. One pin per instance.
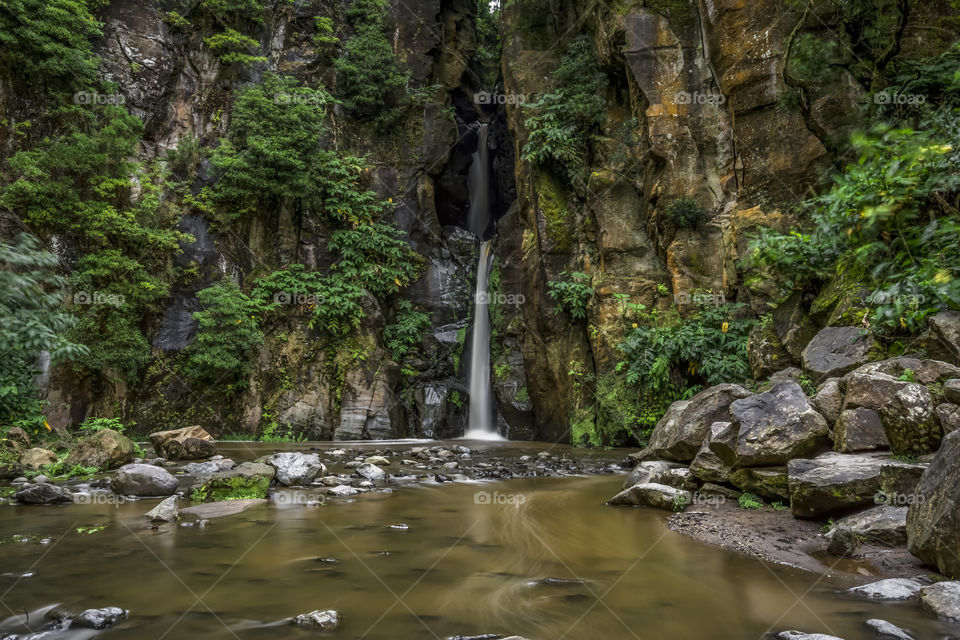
(553, 207)
(680, 13)
(841, 301)
(246, 481)
(766, 482)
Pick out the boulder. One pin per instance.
(246, 481)
(765, 353)
(889, 589)
(43, 493)
(143, 480)
(166, 511)
(380, 461)
(99, 618)
(296, 469)
(942, 599)
(681, 431)
(659, 496)
(105, 449)
(342, 490)
(327, 620)
(951, 390)
(189, 443)
(948, 414)
(776, 426)
(859, 429)
(679, 478)
(371, 472)
(833, 483)
(649, 471)
(18, 435)
(883, 630)
(829, 400)
(905, 408)
(924, 371)
(898, 482)
(883, 524)
(766, 482)
(210, 466)
(943, 336)
(836, 350)
(33, 459)
(707, 465)
(933, 521)
(844, 544)
(800, 635)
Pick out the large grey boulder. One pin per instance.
(942, 599)
(295, 468)
(681, 431)
(43, 493)
(948, 414)
(33, 459)
(883, 630)
(829, 400)
(649, 471)
(766, 482)
(707, 465)
(658, 496)
(933, 521)
(143, 480)
(105, 449)
(166, 511)
(371, 472)
(776, 426)
(833, 483)
(943, 336)
(188, 443)
(951, 390)
(924, 371)
(889, 589)
(836, 350)
(859, 429)
(906, 409)
(883, 524)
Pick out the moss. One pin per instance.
(553, 206)
(233, 488)
(583, 429)
(839, 301)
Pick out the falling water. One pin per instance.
(481, 424)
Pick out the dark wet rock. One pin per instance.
(295, 468)
(659, 496)
(649, 471)
(43, 493)
(166, 511)
(707, 466)
(898, 482)
(844, 543)
(932, 532)
(776, 426)
(99, 618)
(889, 589)
(951, 390)
(327, 620)
(859, 429)
(835, 351)
(943, 336)
(143, 480)
(884, 630)
(766, 482)
(680, 433)
(942, 599)
(949, 416)
(910, 422)
(188, 443)
(883, 524)
(833, 483)
(829, 400)
(33, 459)
(445, 478)
(371, 472)
(105, 449)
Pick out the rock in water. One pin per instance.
(933, 534)
(658, 496)
(143, 480)
(43, 493)
(649, 471)
(189, 443)
(323, 620)
(296, 469)
(371, 472)
(889, 589)
(883, 524)
(800, 635)
(105, 449)
(99, 618)
(884, 630)
(942, 599)
(166, 511)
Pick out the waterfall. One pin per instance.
(481, 424)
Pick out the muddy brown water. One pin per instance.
(470, 559)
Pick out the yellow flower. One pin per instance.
(634, 325)
(903, 323)
(397, 280)
(47, 425)
(725, 327)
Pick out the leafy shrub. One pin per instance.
(686, 213)
(572, 294)
(375, 257)
(403, 335)
(750, 501)
(232, 47)
(92, 425)
(560, 124)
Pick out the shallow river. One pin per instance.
(466, 563)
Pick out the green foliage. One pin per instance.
(488, 32)
(369, 81)
(405, 334)
(572, 294)
(686, 213)
(750, 501)
(679, 503)
(92, 425)
(908, 375)
(779, 506)
(232, 47)
(560, 124)
(375, 257)
(233, 488)
(227, 333)
(273, 432)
